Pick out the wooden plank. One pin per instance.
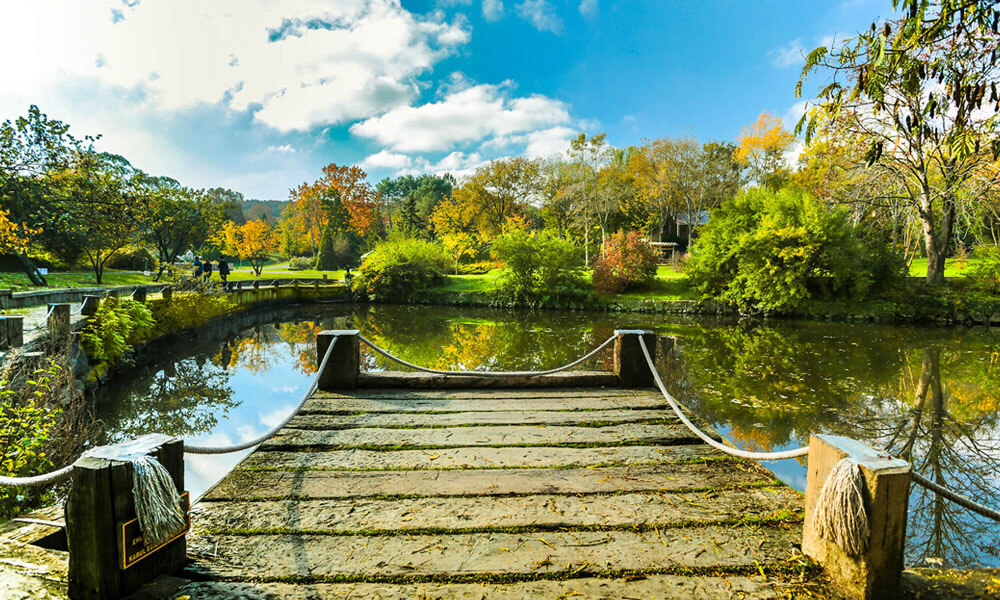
(242, 485)
(508, 435)
(269, 557)
(540, 511)
(343, 406)
(661, 587)
(397, 379)
(479, 458)
(487, 394)
(580, 418)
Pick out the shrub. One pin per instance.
(767, 251)
(539, 268)
(300, 263)
(188, 311)
(627, 261)
(25, 432)
(400, 267)
(118, 324)
(985, 273)
(337, 251)
(133, 258)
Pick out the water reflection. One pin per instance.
(929, 395)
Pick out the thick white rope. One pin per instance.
(956, 497)
(840, 514)
(44, 322)
(708, 440)
(37, 480)
(192, 449)
(489, 373)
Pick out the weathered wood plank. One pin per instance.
(343, 405)
(542, 417)
(398, 379)
(487, 394)
(661, 587)
(508, 435)
(464, 513)
(243, 485)
(479, 458)
(581, 553)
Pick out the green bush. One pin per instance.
(188, 311)
(985, 273)
(337, 251)
(768, 251)
(400, 267)
(300, 263)
(626, 261)
(133, 258)
(540, 268)
(118, 324)
(478, 268)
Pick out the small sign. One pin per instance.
(43, 271)
(133, 546)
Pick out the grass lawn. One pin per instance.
(469, 283)
(952, 267)
(245, 274)
(19, 282)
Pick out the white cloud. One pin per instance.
(537, 144)
(791, 55)
(541, 15)
(293, 65)
(386, 160)
(282, 149)
(472, 114)
(795, 112)
(492, 10)
(271, 419)
(588, 7)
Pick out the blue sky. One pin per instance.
(258, 95)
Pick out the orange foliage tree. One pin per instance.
(315, 205)
(761, 148)
(253, 241)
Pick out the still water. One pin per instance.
(930, 395)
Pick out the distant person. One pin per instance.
(223, 269)
(207, 270)
(197, 267)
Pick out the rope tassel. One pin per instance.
(841, 516)
(157, 504)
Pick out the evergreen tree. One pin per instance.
(409, 218)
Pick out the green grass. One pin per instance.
(19, 282)
(245, 274)
(953, 267)
(469, 283)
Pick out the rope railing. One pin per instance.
(704, 436)
(44, 320)
(955, 497)
(586, 356)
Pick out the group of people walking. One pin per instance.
(204, 269)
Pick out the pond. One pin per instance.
(930, 395)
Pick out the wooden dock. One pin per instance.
(545, 491)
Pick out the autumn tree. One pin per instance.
(253, 241)
(498, 190)
(920, 92)
(761, 149)
(178, 218)
(14, 237)
(456, 224)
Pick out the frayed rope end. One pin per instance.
(841, 516)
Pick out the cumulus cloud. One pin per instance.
(470, 115)
(492, 9)
(386, 160)
(537, 144)
(282, 149)
(588, 7)
(788, 56)
(293, 65)
(541, 15)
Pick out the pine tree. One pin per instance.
(409, 218)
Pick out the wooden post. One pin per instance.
(5, 298)
(167, 293)
(11, 332)
(876, 573)
(58, 324)
(139, 295)
(256, 284)
(99, 505)
(342, 369)
(90, 304)
(630, 363)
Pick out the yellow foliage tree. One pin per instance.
(253, 241)
(13, 237)
(761, 148)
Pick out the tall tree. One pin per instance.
(178, 219)
(498, 190)
(761, 148)
(921, 93)
(590, 154)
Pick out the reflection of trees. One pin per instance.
(183, 400)
(493, 341)
(301, 340)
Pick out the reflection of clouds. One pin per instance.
(247, 432)
(276, 416)
(202, 471)
(288, 389)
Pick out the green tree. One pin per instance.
(920, 92)
(178, 219)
